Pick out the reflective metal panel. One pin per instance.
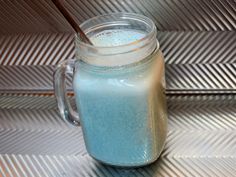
(178, 15)
(180, 78)
(24, 16)
(34, 141)
(198, 39)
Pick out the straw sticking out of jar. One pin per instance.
(60, 5)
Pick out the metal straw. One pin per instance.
(60, 5)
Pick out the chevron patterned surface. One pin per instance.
(194, 61)
(36, 49)
(44, 102)
(201, 77)
(198, 40)
(179, 78)
(198, 47)
(185, 15)
(23, 17)
(178, 48)
(74, 166)
(29, 101)
(34, 141)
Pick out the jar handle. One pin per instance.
(65, 109)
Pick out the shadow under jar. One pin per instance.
(119, 88)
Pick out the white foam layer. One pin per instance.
(117, 37)
(112, 49)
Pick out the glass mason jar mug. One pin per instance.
(119, 90)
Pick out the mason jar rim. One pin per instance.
(123, 15)
(117, 55)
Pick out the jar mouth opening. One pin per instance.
(125, 16)
(135, 33)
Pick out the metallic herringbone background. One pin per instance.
(195, 61)
(23, 16)
(169, 15)
(36, 142)
(198, 39)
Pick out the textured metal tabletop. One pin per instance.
(198, 40)
(34, 141)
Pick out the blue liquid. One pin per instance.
(122, 112)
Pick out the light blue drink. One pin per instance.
(119, 88)
(122, 109)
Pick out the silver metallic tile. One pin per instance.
(36, 49)
(185, 15)
(198, 42)
(22, 16)
(180, 78)
(201, 141)
(79, 166)
(197, 47)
